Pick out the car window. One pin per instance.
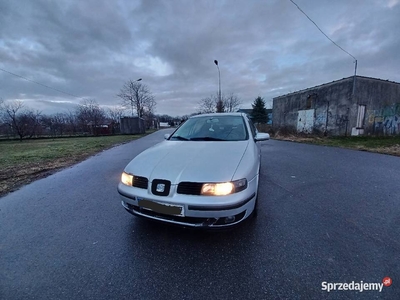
(219, 128)
(252, 128)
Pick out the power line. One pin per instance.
(322, 31)
(355, 60)
(46, 86)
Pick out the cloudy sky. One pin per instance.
(265, 48)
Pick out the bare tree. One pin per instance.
(231, 103)
(137, 97)
(3, 126)
(32, 119)
(10, 110)
(60, 123)
(90, 115)
(57, 124)
(208, 104)
(23, 122)
(150, 107)
(211, 104)
(71, 122)
(148, 114)
(115, 113)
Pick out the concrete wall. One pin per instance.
(382, 101)
(330, 108)
(130, 125)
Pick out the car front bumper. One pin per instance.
(198, 211)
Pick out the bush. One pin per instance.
(263, 127)
(286, 131)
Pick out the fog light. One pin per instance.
(229, 219)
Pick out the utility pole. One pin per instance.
(354, 80)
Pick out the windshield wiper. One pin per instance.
(178, 137)
(206, 138)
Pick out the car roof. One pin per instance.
(219, 115)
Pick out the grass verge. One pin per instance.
(385, 145)
(26, 161)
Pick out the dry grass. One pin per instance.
(391, 150)
(383, 145)
(13, 177)
(29, 160)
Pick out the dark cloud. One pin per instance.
(266, 48)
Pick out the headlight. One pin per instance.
(126, 179)
(225, 188)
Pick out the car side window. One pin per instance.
(252, 128)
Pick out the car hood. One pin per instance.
(195, 161)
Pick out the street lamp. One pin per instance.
(138, 113)
(219, 83)
(140, 79)
(131, 98)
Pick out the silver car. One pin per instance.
(205, 174)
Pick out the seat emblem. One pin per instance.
(160, 187)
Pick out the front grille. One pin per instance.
(140, 182)
(189, 188)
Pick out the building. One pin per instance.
(132, 125)
(355, 105)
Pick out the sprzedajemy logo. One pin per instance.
(356, 286)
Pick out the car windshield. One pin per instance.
(219, 128)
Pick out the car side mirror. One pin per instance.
(261, 136)
(166, 136)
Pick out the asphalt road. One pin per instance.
(325, 214)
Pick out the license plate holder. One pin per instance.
(162, 208)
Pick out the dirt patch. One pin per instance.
(13, 178)
(29, 160)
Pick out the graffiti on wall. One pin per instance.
(305, 120)
(342, 120)
(320, 119)
(309, 121)
(386, 120)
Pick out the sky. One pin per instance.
(89, 49)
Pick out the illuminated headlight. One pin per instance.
(126, 179)
(225, 188)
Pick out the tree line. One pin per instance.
(213, 104)
(89, 118)
(231, 103)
